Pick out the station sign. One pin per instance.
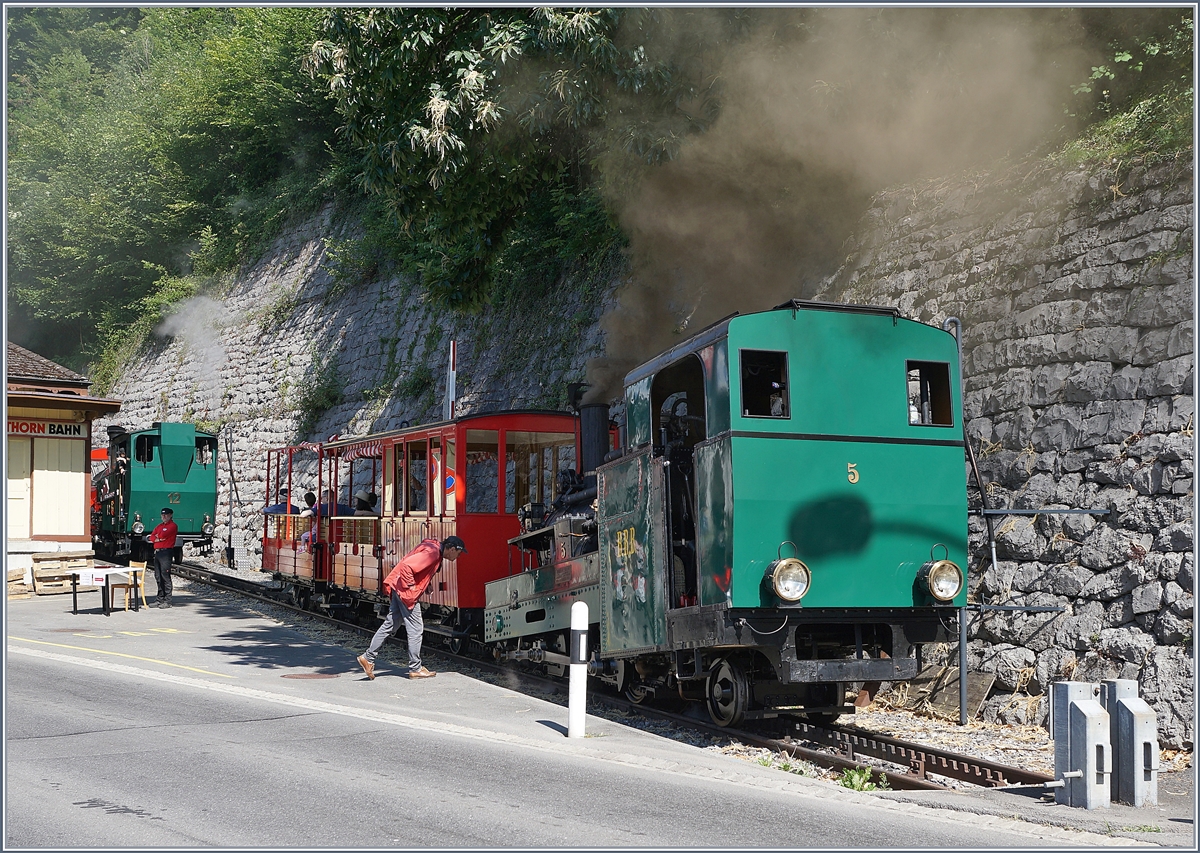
(47, 429)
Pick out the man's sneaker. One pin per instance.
(160, 604)
(368, 667)
(421, 673)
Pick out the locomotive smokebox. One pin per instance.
(593, 435)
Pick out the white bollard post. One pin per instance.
(577, 691)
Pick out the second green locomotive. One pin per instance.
(168, 465)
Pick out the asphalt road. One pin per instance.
(197, 727)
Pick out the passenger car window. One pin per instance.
(764, 384)
(483, 470)
(929, 393)
(418, 477)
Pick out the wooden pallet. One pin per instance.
(51, 571)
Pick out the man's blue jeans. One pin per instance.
(412, 625)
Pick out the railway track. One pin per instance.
(832, 747)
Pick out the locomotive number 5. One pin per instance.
(852, 472)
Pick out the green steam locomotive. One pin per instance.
(168, 465)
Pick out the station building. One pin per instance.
(49, 440)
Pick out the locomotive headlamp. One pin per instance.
(942, 578)
(207, 528)
(790, 578)
(138, 527)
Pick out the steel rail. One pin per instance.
(920, 760)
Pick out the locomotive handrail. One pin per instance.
(1039, 511)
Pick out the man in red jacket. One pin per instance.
(163, 540)
(404, 586)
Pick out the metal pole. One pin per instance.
(229, 552)
(962, 666)
(962, 611)
(577, 690)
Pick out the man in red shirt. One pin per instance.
(404, 586)
(163, 539)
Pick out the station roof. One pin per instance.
(38, 382)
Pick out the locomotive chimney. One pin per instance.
(593, 432)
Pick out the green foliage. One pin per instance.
(560, 232)
(1159, 127)
(461, 115)
(166, 140)
(126, 333)
(419, 382)
(1150, 58)
(319, 393)
(859, 779)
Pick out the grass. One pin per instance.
(859, 779)
(1154, 129)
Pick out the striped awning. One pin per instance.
(369, 450)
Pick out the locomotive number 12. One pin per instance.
(852, 472)
(173, 498)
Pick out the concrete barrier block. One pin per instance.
(1136, 753)
(1091, 756)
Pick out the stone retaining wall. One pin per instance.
(1076, 293)
(244, 361)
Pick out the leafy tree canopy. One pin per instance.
(142, 142)
(458, 114)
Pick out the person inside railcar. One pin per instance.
(310, 503)
(284, 507)
(332, 507)
(404, 586)
(362, 504)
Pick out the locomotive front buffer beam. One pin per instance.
(813, 648)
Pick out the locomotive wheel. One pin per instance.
(629, 684)
(727, 693)
(637, 693)
(455, 645)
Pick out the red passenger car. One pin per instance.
(467, 477)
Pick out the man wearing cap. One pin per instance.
(404, 586)
(163, 540)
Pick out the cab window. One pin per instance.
(765, 384)
(928, 386)
(143, 448)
